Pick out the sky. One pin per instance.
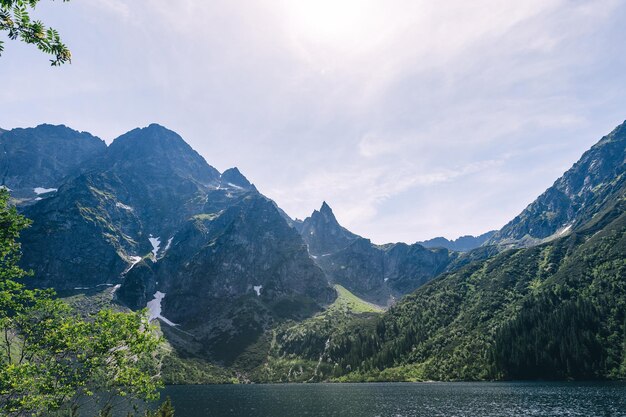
(411, 118)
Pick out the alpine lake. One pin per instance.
(463, 399)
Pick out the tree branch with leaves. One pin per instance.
(54, 359)
(16, 20)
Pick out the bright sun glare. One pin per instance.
(333, 22)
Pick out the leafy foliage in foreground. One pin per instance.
(52, 358)
(16, 21)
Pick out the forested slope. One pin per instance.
(555, 310)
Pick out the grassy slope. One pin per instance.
(348, 302)
(295, 351)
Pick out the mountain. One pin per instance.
(462, 244)
(323, 234)
(234, 178)
(555, 310)
(211, 257)
(235, 282)
(376, 273)
(146, 183)
(34, 161)
(573, 199)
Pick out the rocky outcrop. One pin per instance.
(147, 183)
(574, 198)
(34, 161)
(234, 178)
(376, 273)
(150, 216)
(323, 234)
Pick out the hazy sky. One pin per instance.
(412, 119)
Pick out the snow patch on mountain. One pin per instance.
(154, 309)
(43, 190)
(167, 245)
(134, 261)
(156, 245)
(123, 206)
(230, 184)
(564, 230)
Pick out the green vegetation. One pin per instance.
(53, 358)
(15, 20)
(348, 302)
(557, 310)
(553, 311)
(177, 370)
(298, 351)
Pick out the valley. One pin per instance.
(244, 293)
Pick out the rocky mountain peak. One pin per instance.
(39, 158)
(325, 214)
(161, 151)
(323, 233)
(153, 139)
(235, 177)
(326, 210)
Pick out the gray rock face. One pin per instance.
(247, 245)
(232, 177)
(148, 182)
(574, 198)
(41, 157)
(377, 273)
(323, 234)
(241, 266)
(151, 215)
(148, 185)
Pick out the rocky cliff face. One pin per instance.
(206, 252)
(143, 187)
(323, 234)
(377, 273)
(34, 161)
(236, 272)
(574, 198)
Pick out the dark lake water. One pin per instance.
(401, 400)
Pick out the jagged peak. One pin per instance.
(567, 199)
(325, 209)
(325, 213)
(235, 177)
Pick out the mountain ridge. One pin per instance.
(461, 244)
(550, 308)
(377, 273)
(570, 200)
(229, 275)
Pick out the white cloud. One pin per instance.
(411, 117)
